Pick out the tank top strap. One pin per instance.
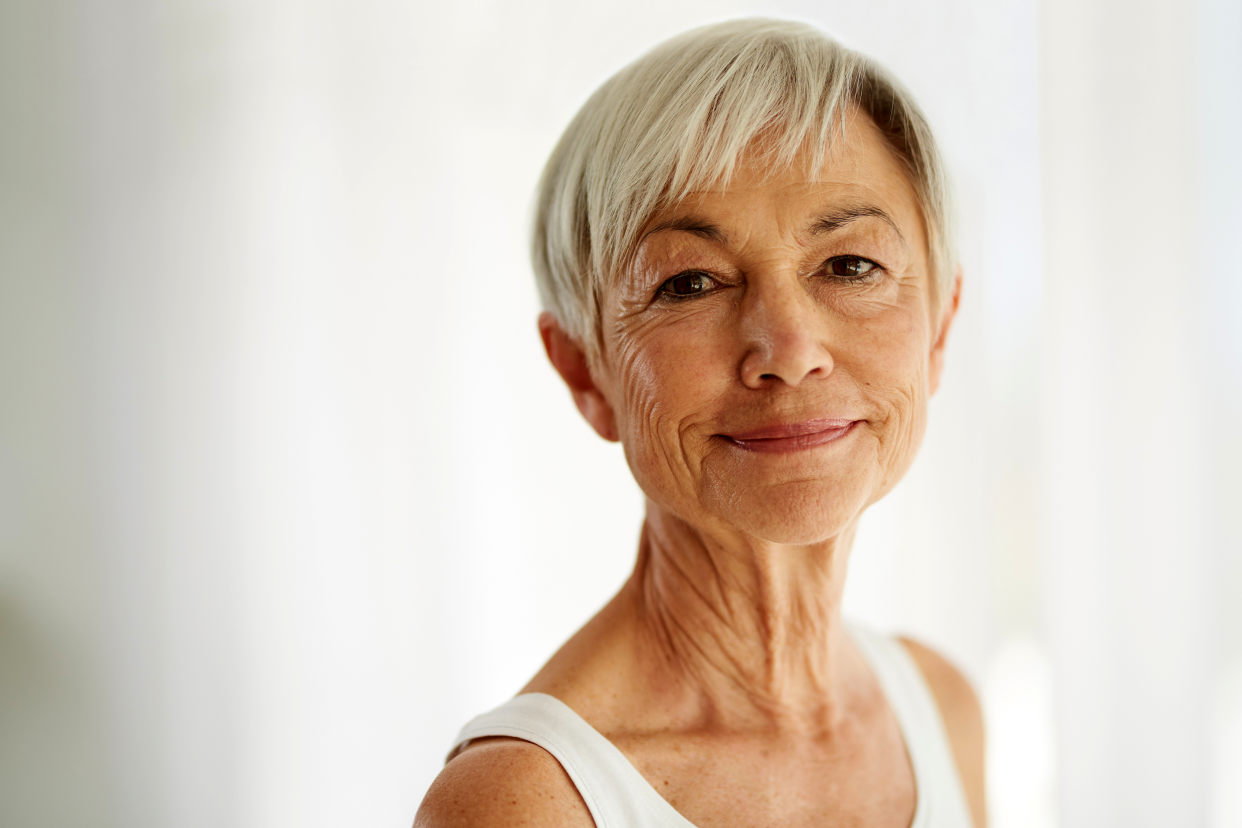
(618, 796)
(941, 800)
(615, 793)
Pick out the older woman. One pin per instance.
(742, 247)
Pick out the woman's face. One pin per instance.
(767, 360)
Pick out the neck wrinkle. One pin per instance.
(754, 631)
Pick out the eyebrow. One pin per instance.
(837, 219)
(692, 224)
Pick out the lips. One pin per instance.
(785, 437)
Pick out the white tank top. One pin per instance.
(618, 796)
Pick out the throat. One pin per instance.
(751, 632)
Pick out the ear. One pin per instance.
(570, 361)
(947, 313)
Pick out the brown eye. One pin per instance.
(687, 284)
(851, 268)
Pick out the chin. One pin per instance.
(800, 514)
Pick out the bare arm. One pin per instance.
(503, 782)
(963, 719)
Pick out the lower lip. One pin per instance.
(779, 445)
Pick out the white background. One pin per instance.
(288, 492)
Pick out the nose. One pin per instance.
(784, 331)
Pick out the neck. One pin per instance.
(752, 628)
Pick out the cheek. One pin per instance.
(668, 380)
(896, 351)
(890, 364)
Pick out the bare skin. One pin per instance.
(766, 365)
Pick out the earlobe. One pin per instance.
(570, 361)
(947, 314)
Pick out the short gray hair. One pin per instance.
(677, 119)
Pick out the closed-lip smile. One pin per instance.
(785, 437)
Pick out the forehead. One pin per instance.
(859, 173)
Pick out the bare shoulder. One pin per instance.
(503, 782)
(963, 719)
(959, 706)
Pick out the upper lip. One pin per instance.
(782, 431)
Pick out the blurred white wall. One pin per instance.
(1143, 232)
(288, 493)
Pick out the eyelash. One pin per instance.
(664, 290)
